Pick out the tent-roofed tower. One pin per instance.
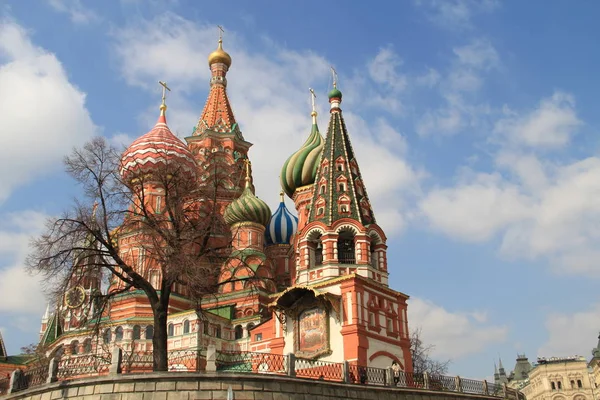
(341, 280)
(216, 141)
(341, 236)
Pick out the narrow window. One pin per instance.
(205, 328)
(342, 187)
(119, 334)
(322, 191)
(170, 330)
(74, 347)
(320, 211)
(340, 167)
(579, 384)
(87, 346)
(186, 326)
(218, 332)
(239, 332)
(572, 384)
(158, 205)
(258, 337)
(149, 332)
(553, 385)
(559, 385)
(137, 331)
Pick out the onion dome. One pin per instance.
(247, 207)
(219, 56)
(335, 94)
(301, 168)
(282, 226)
(159, 147)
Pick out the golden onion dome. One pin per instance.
(219, 56)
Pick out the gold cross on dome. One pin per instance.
(164, 90)
(313, 96)
(248, 163)
(334, 74)
(221, 31)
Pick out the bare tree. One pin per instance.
(183, 238)
(421, 358)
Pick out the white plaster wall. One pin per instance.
(383, 361)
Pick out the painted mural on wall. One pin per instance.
(313, 332)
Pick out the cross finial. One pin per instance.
(163, 105)
(334, 74)
(221, 31)
(313, 97)
(248, 179)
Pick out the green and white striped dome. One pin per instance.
(301, 168)
(247, 208)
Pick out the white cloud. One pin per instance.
(77, 12)
(462, 81)
(454, 334)
(21, 293)
(268, 101)
(571, 333)
(43, 106)
(429, 79)
(456, 14)
(550, 125)
(540, 209)
(383, 69)
(476, 209)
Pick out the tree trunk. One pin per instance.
(159, 340)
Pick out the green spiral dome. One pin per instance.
(247, 208)
(301, 168)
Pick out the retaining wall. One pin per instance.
(207, 385)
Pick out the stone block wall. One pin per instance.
(192, 386)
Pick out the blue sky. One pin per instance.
(474, 122)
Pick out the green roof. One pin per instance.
(224, 311)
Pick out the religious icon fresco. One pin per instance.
(313, 335)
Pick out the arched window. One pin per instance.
(170, 330)
(186, 326)
(149, 332)
(249, 327)
(373, 254)
(315, 249)
(75, 347)
(137, 332)
(218, 331)
(239, 332)
(87, 345)
(579, 385)
(346, 253)
(119, 334)
(107, 336)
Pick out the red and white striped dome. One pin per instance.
(159, 147)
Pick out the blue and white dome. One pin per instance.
(282, 226)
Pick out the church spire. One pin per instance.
(339, 191)
(217, 115)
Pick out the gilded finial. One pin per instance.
(281, 196)
(313, 97)
(220, 55)
(334, 74)
(163, 105)
(248, 179)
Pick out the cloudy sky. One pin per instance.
(475, 123)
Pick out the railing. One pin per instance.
(367, 375)
(195, 360)
(135, 362)
(83, 365)
(317, 369)
(263, 363)
(36, 375)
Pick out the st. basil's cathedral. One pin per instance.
(322, 275)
